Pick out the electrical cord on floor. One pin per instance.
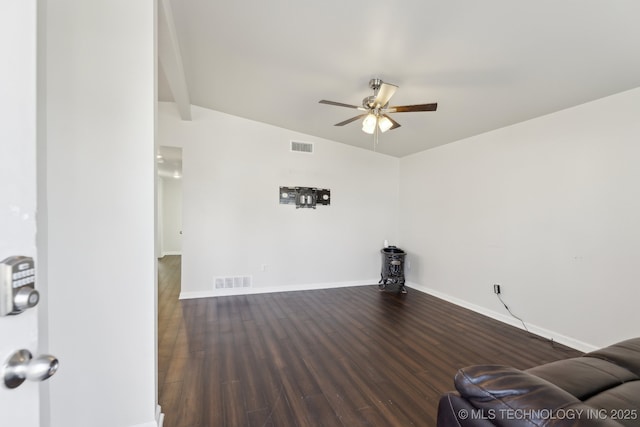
(511, 313)
(531, 335)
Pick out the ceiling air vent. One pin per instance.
(301, 147)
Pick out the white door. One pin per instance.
(18, 406)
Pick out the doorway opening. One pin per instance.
(169, 210)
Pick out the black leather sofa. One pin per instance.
(601, 388)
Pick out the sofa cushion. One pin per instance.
(511, 397)
(583, 377)
(625, 354)
(619, 403)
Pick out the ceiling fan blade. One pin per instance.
(352, 119)
(385, 93)
(395, 124)
(409, 108)
(339, 104)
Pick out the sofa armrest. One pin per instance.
(453, 411)
(516, 398)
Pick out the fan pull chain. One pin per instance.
(375, 136)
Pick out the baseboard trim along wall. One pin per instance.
(165, 253)
(562, 339)
(149, 424)
(271, 289)
(159, 416)
(157, 423)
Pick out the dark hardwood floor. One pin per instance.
(337, 357)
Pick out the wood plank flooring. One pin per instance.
(337, 357)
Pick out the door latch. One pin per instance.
(17, 285)
(22, 366)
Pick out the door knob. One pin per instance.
(22, 366)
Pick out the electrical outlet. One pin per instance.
(496, 288)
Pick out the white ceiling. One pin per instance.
(488, 63)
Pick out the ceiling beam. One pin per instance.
(171, 60)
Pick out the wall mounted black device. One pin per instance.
(305, 197)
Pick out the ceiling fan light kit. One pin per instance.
(384, 124)
(376, 107)
(371, 121)
(369, 124)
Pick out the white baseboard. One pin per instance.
(159, 416)
(157, 423)
(149, 424)
(272, 289)
(165, 253)
(562, 339)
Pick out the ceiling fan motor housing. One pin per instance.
(368, 102)
(375, 85)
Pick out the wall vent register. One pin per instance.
(231, 282)
(302, 147)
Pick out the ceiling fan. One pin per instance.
(376, 108)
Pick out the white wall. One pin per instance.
(171, 216)
(233, 223)
(547, 208)
(100, 90)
